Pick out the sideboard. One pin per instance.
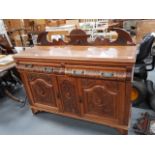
(91, 83)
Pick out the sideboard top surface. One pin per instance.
(125, 54)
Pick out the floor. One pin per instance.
(15, 120)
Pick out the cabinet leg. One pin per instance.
(34, 111)
(123, 131)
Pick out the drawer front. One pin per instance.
(101, 72)
(112, 73)
(41, 68)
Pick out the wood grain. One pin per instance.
(68, 81)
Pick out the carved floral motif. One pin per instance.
(100, 97)
(69, 97)
(34, 76)
(42, 89)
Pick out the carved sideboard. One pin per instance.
(84, 82)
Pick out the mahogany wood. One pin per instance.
(84, 82)
(79, 37)
(42, 40)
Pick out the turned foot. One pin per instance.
(123, 131)
(34, 111)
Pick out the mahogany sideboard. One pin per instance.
(91, 83)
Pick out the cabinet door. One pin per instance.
(101, 99)
(69, 95)
(43, 90)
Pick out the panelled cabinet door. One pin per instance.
(101, 98)
(69, 95)
(43, 90)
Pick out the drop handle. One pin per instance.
(29, 65)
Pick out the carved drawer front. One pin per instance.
(100, 98)
(43, 89)
(69, 95)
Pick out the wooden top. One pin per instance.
(125, 54)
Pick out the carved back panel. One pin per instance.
(100, 98)
(43, 41)
(69, 95)
(42, 89)
(123, 38)
(79, 37)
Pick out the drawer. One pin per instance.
(41, 68)
(76, 70)
(98, 72)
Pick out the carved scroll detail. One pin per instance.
(69, 97)
(100, 97)
(42, 89)
(79, 37)
(100, 101)
(34, 76)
